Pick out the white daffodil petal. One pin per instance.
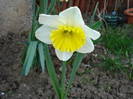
(43, 34)
(87, 48)
(64, 56)
(50, 20)
(72, 16)
(93, 34)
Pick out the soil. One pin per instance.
(91, 81)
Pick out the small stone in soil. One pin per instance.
(2, 93)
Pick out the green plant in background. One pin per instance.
(67, 33)
(119, 45)
(112, 64)
(129, 72)
(117, 41)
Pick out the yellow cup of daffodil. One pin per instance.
(67, 32)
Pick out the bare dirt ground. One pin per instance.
(91, 82)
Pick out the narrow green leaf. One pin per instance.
(24, 53)
(43, 6)
(37, 11)
(76, 64)
(51, 71)
(29, 57)
(34, 28)
(33, 18)
(51, 6)
(41, 56)
(63, 78)
(35, 23)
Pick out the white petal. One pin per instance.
(50, 20)
(72, 16)
(64, 56)
(43, 34)
(93, 34)
(87, 48)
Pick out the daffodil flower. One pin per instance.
(67, 33)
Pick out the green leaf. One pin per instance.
(51, 71)
(31, 52)
(24, 53)
(43, 6)
(51, 6)
(76, 64)
(33, 19)
(41, 56)
(97, 25)
(63, 78)
(35, 24)
(34, 28)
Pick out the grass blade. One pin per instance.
(97, 25)
(41, 56)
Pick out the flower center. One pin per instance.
(68, 38)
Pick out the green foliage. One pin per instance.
(38, 53)
(117, 41)
(63, 79)
(34, 52)
(97, 25)
(129, 72)
(112, 64)
(52, 72)
(119, 44)
(115, 65)
(41, 56)
(30, 55)
(76, 64)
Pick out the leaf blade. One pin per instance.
(41, 56)
(31, 51)
(76, 64)
(51, 71)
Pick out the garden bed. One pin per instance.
(92, 81)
